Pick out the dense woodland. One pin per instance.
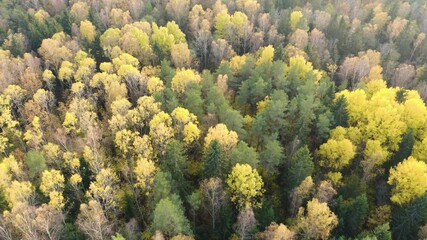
(210, 119)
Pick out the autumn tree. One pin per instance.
(93, 222)
(245, 186)
(88, 31)
(178, 10)
(180, 55)
(103, 189)
(246, 222)
(49, 221)
(300, 193)
(213, 197)
(52, 185)
(183, 79)
(161, 131)
(227, 138)
(336, 154)
(277, 232)
(408, 179)
(317, 221)
(145, 171)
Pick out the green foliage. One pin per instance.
(213, 161)
(288, 106)
(352, 214)
(244, 154)
(36, 163)
(300, 166)
(169, 218)
(407, 219)
(176, 163)
(339, 109)
(70, 232)
(162, 186)
(272, 156)
(118, 236)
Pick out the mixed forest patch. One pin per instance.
(210, 119)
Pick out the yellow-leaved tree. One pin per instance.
(145, 171)
(245, 186)
(336, 154)
(104, 189)
(185, 124)
(184, 78)
(227, 138)
(34, 134)
(409, 180)
(318, 221)
(88, 31)
(52, 185)
(161, 130)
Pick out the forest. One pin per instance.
(213, 119)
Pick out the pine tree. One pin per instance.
(339, 109)
(212, 162)
(300, 167)
(407, 219)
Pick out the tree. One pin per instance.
(104, 189)
(145, 171)
(245, 186)
(135, 42)
(21, 218)
(318, 221)
(34, 135)
(36, 163)
(52, 185)
(19, 192)
(339, 110)
(183, 79)
(54, 50)
(93, 222)
(266, 55)
(300, 194)
(300, 166)
(176, 163)
(88, 31)
(408, 179)
(299, 39)
(336, 154)
(244, 154)
(49, 221)
(213, 161)
(109, 39)
(272, 156)
(277, 232)
(407, 219)
(180, 55)
(352, 214)
(213, 197)
(297, 20)
(161, 131)
(79, 11)
(183, 119)
(246, 222)
(420, 150)
(169, 218)
(178, 10)
(374, 157)
(325, 192)
(227, 138)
